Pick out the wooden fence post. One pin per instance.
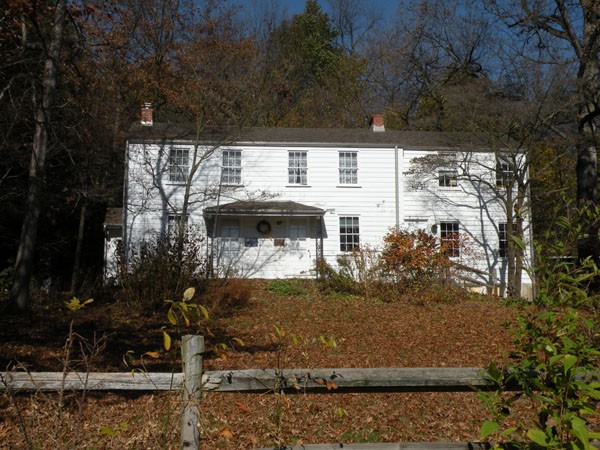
(192, 348)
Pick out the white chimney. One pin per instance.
(147, 115)
(376, 123)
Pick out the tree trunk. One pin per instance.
(19, 294)
(76, 275)
(588, 86)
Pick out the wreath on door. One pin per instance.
(263, 227)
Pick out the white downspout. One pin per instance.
(397, 187)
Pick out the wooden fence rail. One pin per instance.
(292, 381)
(193, 381)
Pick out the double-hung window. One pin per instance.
(174, 224)
(179, 164)
(450, 238)
(504, 173)
(348, 167)
(448, 178)
(230, 239)
(349, 234)
(503, 239)
(231, 173)
(297, 168)
(297, 235)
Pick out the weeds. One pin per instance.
(59, 418)
(285, 287)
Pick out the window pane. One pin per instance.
(448, 178)
(450, 238)
(297, 168)
(349, 234)
(348, 168)
(232, 167)
(504, 174)
(178, 164)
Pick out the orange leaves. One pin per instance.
(409, 254)
(329, 384)
(226, 433)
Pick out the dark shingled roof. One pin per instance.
(266, 208)
(302, 136)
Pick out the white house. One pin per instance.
(270, 202)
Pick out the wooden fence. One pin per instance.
(193, 381)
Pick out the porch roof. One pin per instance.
(265, 208)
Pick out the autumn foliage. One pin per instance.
(412, 255)
(408, 260)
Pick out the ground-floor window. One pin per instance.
(450, 238)
(230, 239)
(297, 235)
(503, 239)
(349, 234)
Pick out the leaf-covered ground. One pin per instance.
(456, 332)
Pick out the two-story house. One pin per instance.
(270, 202)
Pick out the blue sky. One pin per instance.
(388, 7)
(297, 6)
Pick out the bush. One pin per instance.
(163, 269)
(408, 260)
(225, 294)
(410, 257)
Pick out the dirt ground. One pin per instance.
(464, 332)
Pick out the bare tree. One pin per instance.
(355, 21)
(568, 32)
(513, 128)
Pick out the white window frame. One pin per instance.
(179, 164)
(450, 238)
(349, 233)
(503, 239)
(231, 169)
(348, 167)
(298, 167)
(504, 173)
(448, 178)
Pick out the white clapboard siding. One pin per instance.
(382, 199)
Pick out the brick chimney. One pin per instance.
(376, 123)
(147, 115)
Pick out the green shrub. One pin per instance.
(555, 361)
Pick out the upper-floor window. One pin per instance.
(348, 168)
(349, 234)
(448, 178)
(450, 238)
(179, 164)
(504, 174)
(297, 168)
(232, 167)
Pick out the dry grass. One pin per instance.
(465, 331)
